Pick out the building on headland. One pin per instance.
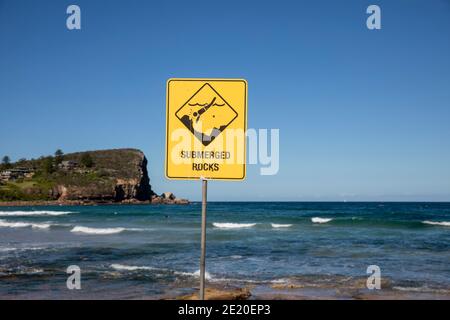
(16, 173)
(67, 165)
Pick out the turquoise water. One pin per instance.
(132, 251)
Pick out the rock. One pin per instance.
(221, 294)
(168, 196)
(181, 201)
(156, 199)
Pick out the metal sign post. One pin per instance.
(203, 240)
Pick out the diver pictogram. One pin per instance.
(206, 114)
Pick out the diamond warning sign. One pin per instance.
(206, 124)
(206, 114)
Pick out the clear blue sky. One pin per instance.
(363, 115)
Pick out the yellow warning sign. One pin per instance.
(205, 128)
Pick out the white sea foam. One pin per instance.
(279, 281)
(195, 274)
(7, 224)
(29, 271)
(40, 225)
(130, 268)
(139, 229)
(122, 267)
(416, 289)
(320, 220)
(437, 223)
(276, 225)
(33, 213)
(105, 231)
(236, 280)
(230, 225)
(9, 249)
(99, 231)
(21, 270)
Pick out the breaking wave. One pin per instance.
(122, 267)
(437, 223)
(196, 274)
(33, 213)
(7, 224)
(104, 231)
(230, 225)
(99, 231)
(320, 220)
(276, 225)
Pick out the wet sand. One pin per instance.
(268, 293)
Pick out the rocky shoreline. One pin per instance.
(212, 293)
(167, 198)
(306, 292)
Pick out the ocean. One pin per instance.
(277, 249)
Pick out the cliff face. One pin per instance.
(138, 188)
(118, 175)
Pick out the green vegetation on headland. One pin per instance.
(28, 180)
(98, 176)
(33, 190)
